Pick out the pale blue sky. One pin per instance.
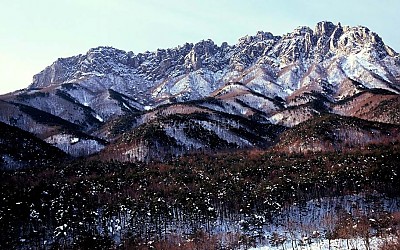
(34, 33)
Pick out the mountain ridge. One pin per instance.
(264, 80)
(324, 32)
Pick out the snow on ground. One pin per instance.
(147, 108)
(305, 226)
(341, 244)
(99, 118)
(180, 86)
(74, 145)
(266, 87)
(10, 162)
(259, 103)
(275, 119)
(356, 67)
(335, 74)
(224, 134)
(179, 134)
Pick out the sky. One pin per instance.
(33, 34)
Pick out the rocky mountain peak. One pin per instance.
(200, 53)
(261, 36)
(56, 73)
(303, 45)
(325, 28)
(105, 54)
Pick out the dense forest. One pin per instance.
(202, 201)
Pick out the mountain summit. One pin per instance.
(204, 96)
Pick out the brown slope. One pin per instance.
(373, 105)
(336, 133)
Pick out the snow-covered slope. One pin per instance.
(272, 65)
(269, 79)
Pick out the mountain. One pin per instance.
(207, 97)
(19, 149)
(331, 132)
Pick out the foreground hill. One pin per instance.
(19, 149)
(205, 201)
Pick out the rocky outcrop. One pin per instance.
(303, 45)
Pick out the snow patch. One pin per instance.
(99, 118)
(73, 145)
(74, 140)
(147, 108)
